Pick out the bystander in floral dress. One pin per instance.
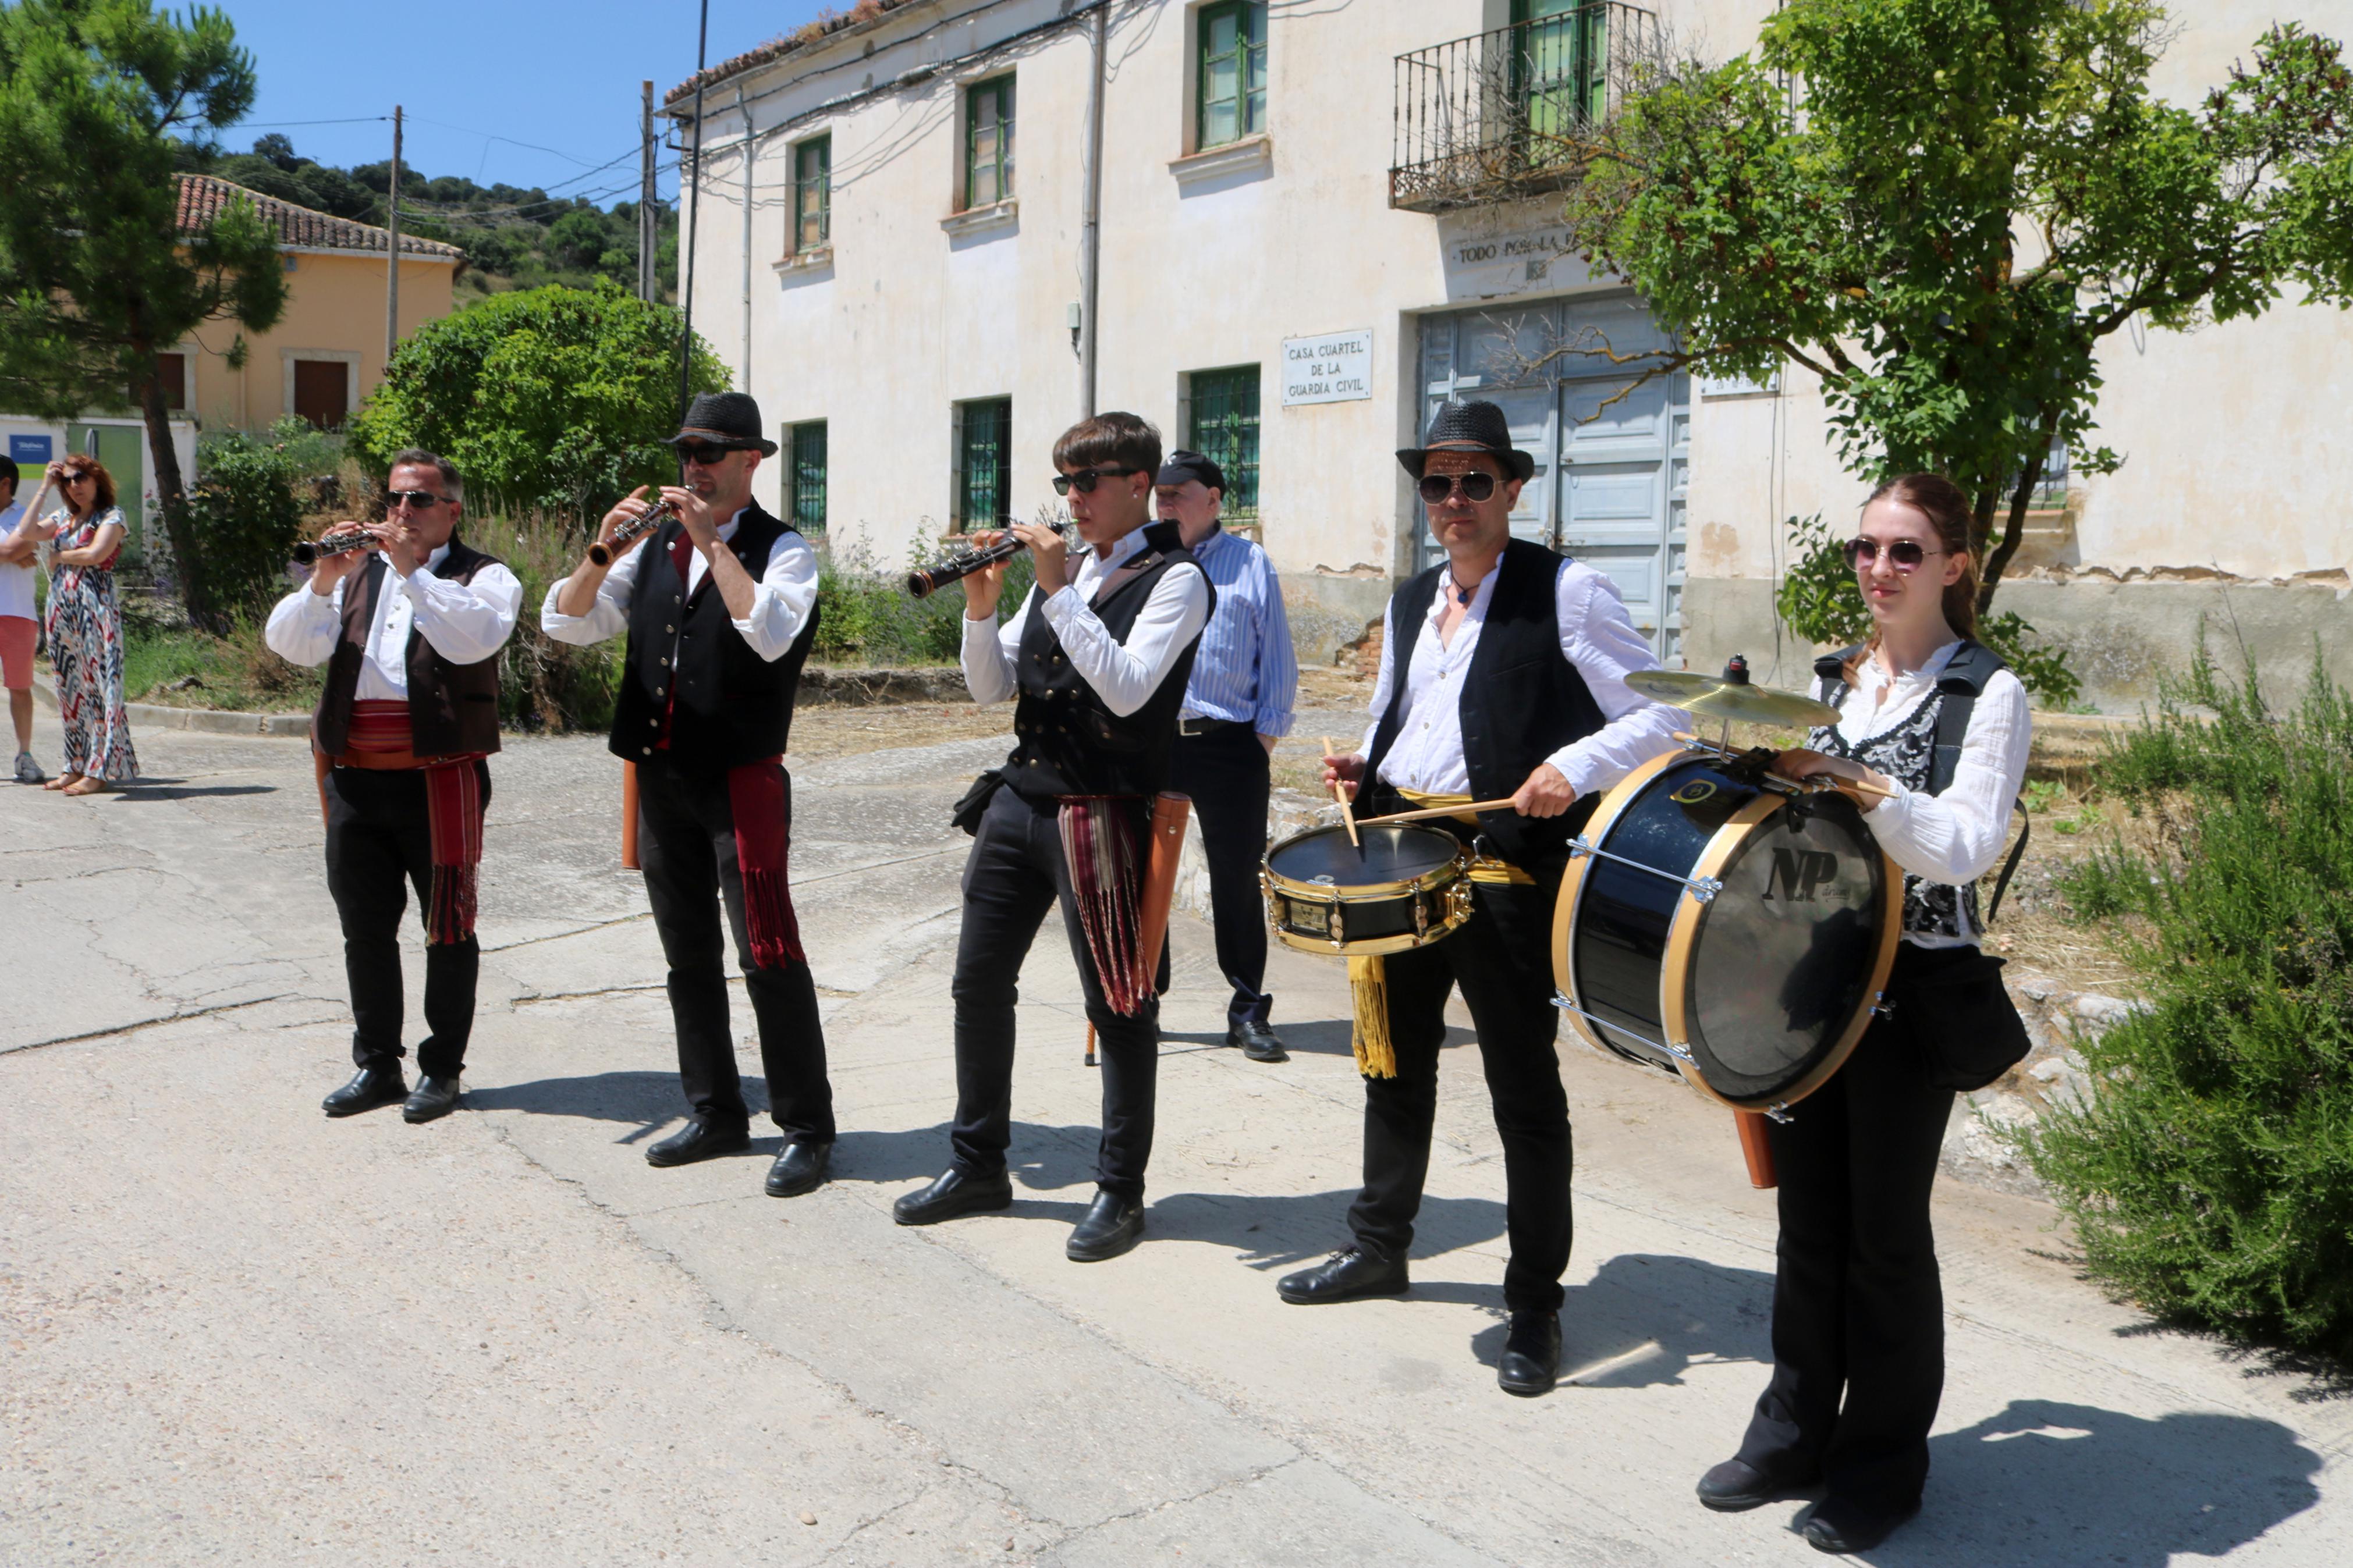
(85, 631)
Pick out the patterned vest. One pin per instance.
(1907, 753)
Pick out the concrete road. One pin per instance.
(235, 1332)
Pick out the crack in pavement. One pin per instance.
(150, 1022)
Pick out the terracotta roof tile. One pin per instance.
(202, 197)
(801, 37)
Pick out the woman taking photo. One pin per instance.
(85, 625)
(1858, 1311)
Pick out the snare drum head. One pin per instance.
(1783, 959)
(1400, 853)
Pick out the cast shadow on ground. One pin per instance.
(2048, 1484)
(146, 789)
(1280, 1231)
(1314, 1037)
(1645, 1319)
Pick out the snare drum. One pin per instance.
(1407, 887)
(1733, 928)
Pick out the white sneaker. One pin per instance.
(28, 770)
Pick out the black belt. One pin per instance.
(1208, 726)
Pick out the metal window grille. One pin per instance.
(1224, 428)
(813, 194)
(989, 143)
(984, 462)
(1232, 38)
(808, 446)
(2050, 490)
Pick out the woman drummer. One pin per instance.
(1858, 1312)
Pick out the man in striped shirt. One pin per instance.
(1236, 706)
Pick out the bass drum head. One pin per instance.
(1391, 857)
(1781, 965)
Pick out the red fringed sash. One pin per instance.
(1102, 840)
(453, 814)
(755, 796)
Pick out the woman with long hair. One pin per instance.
(85, 625)
(1858, 1310)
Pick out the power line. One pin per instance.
(534, 146)
(288, 124)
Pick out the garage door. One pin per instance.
(1613, 457)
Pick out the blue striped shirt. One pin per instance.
(1245, 670)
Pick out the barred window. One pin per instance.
(1223, 427)
(983, 448)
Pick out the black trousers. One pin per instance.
(1226, 772)
(1015, 873)
(1858, 1308)
(1500, 957)
(686, 845)
(379, 844)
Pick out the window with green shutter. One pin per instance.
(989, 143)
(1224, 428)
(806, 505)
(1560, 69)
(813, 194)
(1232, 38)
(984, 446)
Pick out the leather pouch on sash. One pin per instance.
(974, 802)
(1952, 1000)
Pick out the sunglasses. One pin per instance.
(79, 477)
(417, 501)
(1475, 487)
(1085, 481)
(708, 456)
(1903, 554)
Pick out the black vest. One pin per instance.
(733, 706)
(1522, 699)
(1066, 741)
(452, 707)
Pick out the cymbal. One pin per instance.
(1716, 698)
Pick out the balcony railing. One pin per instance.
(1510, 114)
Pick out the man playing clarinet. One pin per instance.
(409, 630)
(1503, 674)
(720, 606)
(1098, 660)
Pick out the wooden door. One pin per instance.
(321, 393)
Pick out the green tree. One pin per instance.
(1941, 207)
(546, 397)
(96, 279)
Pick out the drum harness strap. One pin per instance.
(1368, 975)
(1964, 678)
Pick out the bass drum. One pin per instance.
(1736, 930)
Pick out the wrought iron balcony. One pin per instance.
(1510, 114)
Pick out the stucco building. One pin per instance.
(1297, 240)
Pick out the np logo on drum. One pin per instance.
(1801, 874)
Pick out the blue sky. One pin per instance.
(535, 94)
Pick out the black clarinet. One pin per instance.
(646, 521)
(964, 562)
(307, 552)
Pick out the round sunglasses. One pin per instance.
(1903, 554)
(1475, 485)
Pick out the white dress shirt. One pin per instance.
(465, 622)
(1954, 837)
(1596, 636)
(1124, 675)
(781, 599)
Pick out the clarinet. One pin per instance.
(308, 553)
(964, 562)
(644, 522)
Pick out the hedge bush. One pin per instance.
(2210, 1172)
(246, 509)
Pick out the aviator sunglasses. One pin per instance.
(1085, 481)
(418, 500)
(1475, 485)
(1903, 554)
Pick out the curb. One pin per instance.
(209, 720)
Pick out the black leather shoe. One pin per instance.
(952, 1195)
(1839, 1527)
(799, 1169)
(1530, 1364)
(1736, 1486)
(1258, 1042)
(434, 1097)
(1349, 1275)
(369, 1088)
(699, 1141)
(1112, 1224)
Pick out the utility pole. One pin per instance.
(1091, 229)
(751, 148)
(392, 261)
(690, 181)
(648, 231)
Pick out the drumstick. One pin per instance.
(1424, 815)
(1340, 793)
(1843, 781)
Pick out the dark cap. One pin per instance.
(730, 419)
(1469, 426)
(1182, 466)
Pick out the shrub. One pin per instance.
(246, 508)
(551, 399)
(2209, 1174)
(869, 618)
(545, 684)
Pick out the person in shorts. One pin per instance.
(19, 631)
